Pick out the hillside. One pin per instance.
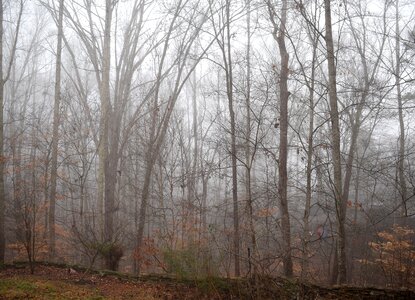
(58, 282)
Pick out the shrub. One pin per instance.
(110, 252)
(189, 263)
(395, 254)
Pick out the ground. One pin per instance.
(50, 282)
(59, 282)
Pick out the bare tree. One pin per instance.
(4, 77)
(55, 136)
(158, 127)
(401, 157)
(279, 32)
(112, 138)
(223, 40)
(336, 153)
(227, 57)
(310, 81)
(249, 156)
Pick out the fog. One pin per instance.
(210, 138)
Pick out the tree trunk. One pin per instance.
(111, 174)
(401, 157)
(192, 181)
(229, 92)
(309, 167)
(283, 147)
(145, 193)
(248, 154)
(55, 137)
(16, 149)
(2, 158)
(104, 128)
(336, 155)
(279, 32)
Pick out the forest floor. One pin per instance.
(57, 282)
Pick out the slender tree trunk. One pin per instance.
(356, 195)
(401, 158)
(143, 208)
(205, 179)
(336, 155)
(309, 168)
(55, 137)
(192, 182)
(16, 149)
(279, 32)
(145, 193)
(229, 91)
(30, 207)
(104, 202)
(248, 158)
(2, 158)
(283, 147)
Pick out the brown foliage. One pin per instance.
(395, 255)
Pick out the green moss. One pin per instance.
(16, 288)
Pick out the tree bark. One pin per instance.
(248, 154)
(279, 31)
(104, 127)
(55, 137)
(336, 155)
(309, 167)
(229, 92)
(401, 157)
(2, 158)
(283, 146)
(192, 178)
